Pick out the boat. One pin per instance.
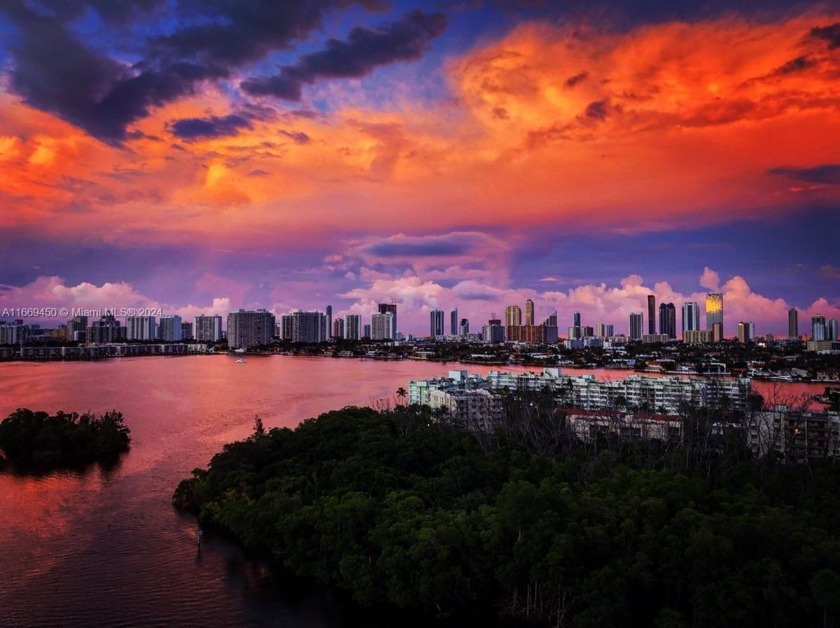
(241, 361)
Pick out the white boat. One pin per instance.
(241, 361)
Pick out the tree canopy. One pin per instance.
(395, 508)
(35, 441)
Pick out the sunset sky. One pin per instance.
(202, 156)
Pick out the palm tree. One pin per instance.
(401, 394)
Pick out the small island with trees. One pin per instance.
(402, 509)
(37, 442)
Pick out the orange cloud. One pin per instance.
(565, 127)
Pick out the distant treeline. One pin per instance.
(38, 442)
(398, 509)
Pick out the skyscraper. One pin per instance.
(338, 328)
(714, 314)
(208, 328)
(353, 326)
(453, 321)
(513, 316)
(246, 329)
(818, 328)
(651, 314)
(690, 317)
(140, 328)
(389, 308)
(170, 328)
(309, 326)
(793, 323)
(329, 322)
(382, 326)
(668, 320)
(746, 332)
(636, 325)
(436, 323)
(529, 312)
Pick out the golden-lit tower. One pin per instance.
(529, 312)
(714, 314)
(513, 316)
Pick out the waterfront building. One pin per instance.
(308, 327)
(366, 331)
(529, 312)
(353, 327)
(513, 316)
(651, 304)
(169, 328)
(208, 328)
(77, 329)
(714, 314)
(106, 329)
(636, 325)
(140, 328)
(832, 327)
(338, 328)
(186, 331)
(464, 327)
(453, 321)
(383, 326)
(249, 328)
(329, 321)
(793, 323)
(666, 395)
(389, 308)
(436, 323)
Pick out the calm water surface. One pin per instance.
(108, 549)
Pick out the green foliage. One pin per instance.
(37, 442)
(397, 509)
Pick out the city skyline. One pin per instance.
(463, 156)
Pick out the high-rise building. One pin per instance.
(668, 320)
(493, 331)
(353, 326)
(186, 331)
(832, 328)
(208, 328)
(382, 326)
(576, 319)
(636, 325)
(329, 323)
(106, 329)
(338, 328)
(714, 314)
(77, 328)
(453, 321)
(818, 328)
(366, 331)
(464, 327)
(140, 328)
(793, 323)
(249, 328)
(651, 301)
(746, 332)
(529, 312)
(513, 316)
(170, 329)
(389, 308)
(308, 326)
(604, 330)
(690, 317)
(436, 323)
